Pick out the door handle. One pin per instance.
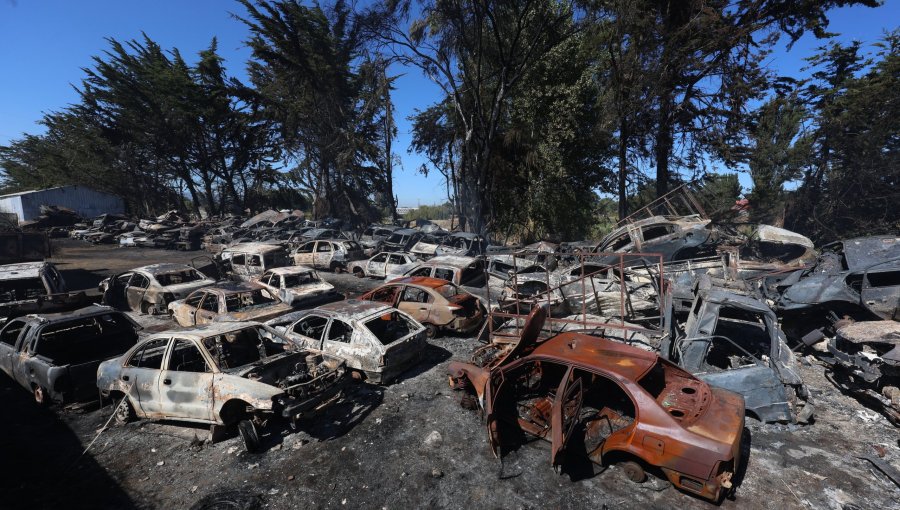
(167, 381)
(125, 377)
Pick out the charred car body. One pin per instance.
(227, 302)
(438, 304)
(380, 265)
(612, 403)
(55, 356)
(150, 289)
(242, 374)
(466, 271)
(733, 341)
(865, 360)
(35, 287)
(374, 339)
(246, 261)
(332, 254)
(299, 286)
(859, 278)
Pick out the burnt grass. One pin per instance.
(377, 447)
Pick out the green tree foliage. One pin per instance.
(154, 130)
(326, 101)
(851, 181)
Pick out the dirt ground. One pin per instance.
(406, 445)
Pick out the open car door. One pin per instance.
(114, 295)
(493, 393)
(566, 411)
(208, 266)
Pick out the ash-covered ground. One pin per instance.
(406, 445)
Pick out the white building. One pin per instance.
(26, 205)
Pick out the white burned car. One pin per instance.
(150, 289)
(299, 286)
(381, 264)
(237, 373)
(375, 339)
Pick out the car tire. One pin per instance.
(431, 330)
(124, 411)
(634, 471)
(250, 435)
(358, 272)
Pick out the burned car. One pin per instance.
(438, 304)
(299, 286)
(55, 356)
(865, 360)
(246, 261)
(332, 254)
(402, 240)
(35, 287)
(610, 403)
(675, 238)
(232, 374)
(376, 340)
(468, 271)
(859, 278)
(465, 244)
(228, 302)
(381, 264)
(374, 234)
(150, 289)
(733, 341)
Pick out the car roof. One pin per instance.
(606, 355)
(421, 281)
(229, 288)
(255, 247)
(165, 267)
(406, 231)
(206, 330)
(355, 308)
(291, 270)
(458, 261)
(87, 311)
(21, 270)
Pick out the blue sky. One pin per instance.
(44, 44)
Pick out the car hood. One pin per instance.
(311, 289)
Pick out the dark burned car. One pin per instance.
(611, 403)
(240, 374)
(859, 278)
(55, 356)
(675, 238)
(865, 360)
(150, 289)
(733, 341)
(35, 287)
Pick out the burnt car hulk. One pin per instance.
(55, 356)
(228, 302)
(610, 403)
(240, 374)
(376, 340)
(150, 289)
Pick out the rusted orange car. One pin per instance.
(611, 402)
(438, 304)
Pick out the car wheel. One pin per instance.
(634, 471)
(431, 330)
(145, 308)
(249, 435)
(124, 412)
(40, 396)
(358, 272)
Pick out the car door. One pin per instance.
(394, 260)
(417, 302)
(309, 330)
(376, 265)
(141, 375)
(495, 393)
(9, 339)
(304, 256)
(322, 258)
(565, 414)
(208, 309)
(185, 385)
(116, 291)
(137, 288)
(880, 288)
(338, 340)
